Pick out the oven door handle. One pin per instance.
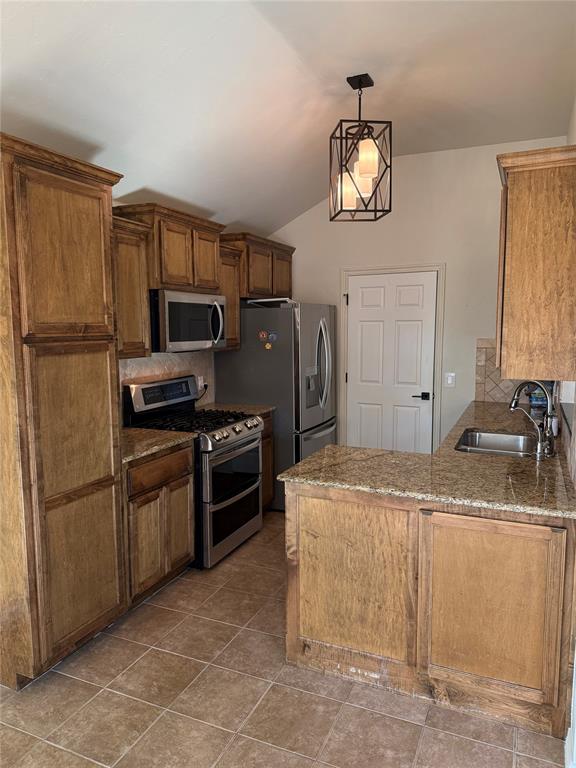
(245, 492)
(213, 461)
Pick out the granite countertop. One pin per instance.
(137, 443)
(449, 476)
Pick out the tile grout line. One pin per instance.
(418, 746)
(318, 754)
(42, 740)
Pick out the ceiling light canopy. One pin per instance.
(360, 164)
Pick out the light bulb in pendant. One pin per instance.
(363, 183)
(348, 191)
(368, 159)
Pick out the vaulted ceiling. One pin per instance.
(225, 108)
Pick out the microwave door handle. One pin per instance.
(216, 306)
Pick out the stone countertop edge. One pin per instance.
(449, 477)
(136, 443)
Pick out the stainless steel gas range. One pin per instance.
(228, 460)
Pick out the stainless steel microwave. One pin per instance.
(182, 322)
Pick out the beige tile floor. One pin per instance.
(195, 678)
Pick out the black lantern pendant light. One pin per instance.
(360, 164)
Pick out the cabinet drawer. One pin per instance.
(159, 472)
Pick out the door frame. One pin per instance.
(345, 274)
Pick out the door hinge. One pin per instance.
(347, 297)
(346, 377)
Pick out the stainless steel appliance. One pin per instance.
(182, 321)
(228, 460)
(286, 359)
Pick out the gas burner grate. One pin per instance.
(195, 421)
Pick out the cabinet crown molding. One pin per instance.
(247, 237)
(130, 226)
(155, 209)
(25, 150)
(551, 157)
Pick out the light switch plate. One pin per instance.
(450, 379)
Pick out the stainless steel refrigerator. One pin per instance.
(286, 359)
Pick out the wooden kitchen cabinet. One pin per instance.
(469, 607)
(536, 320)
(265, 266)
(146, 541)
(130, 239)
(365, 601)
(490, 605)
(183, 250)
(62, 558)
(61, 245)
(267, 462)
(160, 500)
(230, 288)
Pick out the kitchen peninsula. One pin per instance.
(447, 576)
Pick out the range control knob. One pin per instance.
(249, 423)
(225, 434)
(217, 436)
(237, 428)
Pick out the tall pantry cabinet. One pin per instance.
(61, 537)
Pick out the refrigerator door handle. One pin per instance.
(324, 335)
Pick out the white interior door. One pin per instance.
(391, 330)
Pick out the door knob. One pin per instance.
(423, 396)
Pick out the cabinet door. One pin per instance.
(63, 236)
(267, 471)
(230, 287)
(539, 300)
(82, 567)
(260, 271)
(206, 260)
(175, 254)
(147, 536)
(356, 584)
(490, 604)
(179, 505)
(282, 275)
(72, 395)
(132, 307)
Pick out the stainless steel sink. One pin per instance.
(497, 443)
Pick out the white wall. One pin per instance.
(572, 126)
(445, 209)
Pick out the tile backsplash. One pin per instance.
(165, 365)
(490, 387)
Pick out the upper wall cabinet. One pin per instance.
(62, 243)
(265, 266)
(536, 324)
(130, 243)
(183, 251)
(230, 288)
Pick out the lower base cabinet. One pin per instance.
(267, 462)
(469, 607)
(160, 520)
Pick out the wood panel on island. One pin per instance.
(62, 548)
(160, 493)
(470, 607)
(536, 316)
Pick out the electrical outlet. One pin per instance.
(200, 382)
(450, 379)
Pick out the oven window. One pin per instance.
(230, 518)
(189, 322)
(230, 478)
